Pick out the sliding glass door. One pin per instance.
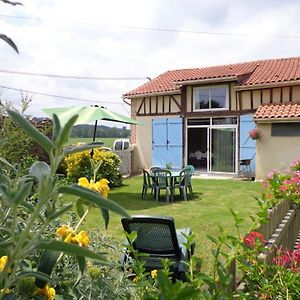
(216, 140)
(222, 149)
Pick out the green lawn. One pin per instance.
(108, 142)
(209, 208)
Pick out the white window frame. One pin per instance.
(209, 92)
(209, 128)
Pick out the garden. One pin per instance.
(61, 235)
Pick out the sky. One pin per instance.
(124, 42)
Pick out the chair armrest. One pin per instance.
(124, 256)
(185, 254)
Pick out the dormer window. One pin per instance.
(210, 98)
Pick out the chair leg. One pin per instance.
(144, 192)
(184, 192)
(172, 194)
(168, 195)
(191, 189)
(157, 190)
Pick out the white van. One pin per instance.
(121, 144)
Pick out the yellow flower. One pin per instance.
(69, 238)
(5, 291)
(64, 230)
(103, 187)
(93, 186)
(103, 181)
(3, 262)
(100, 186)
(154, 273)
(47, 291)
(83, 181)
(82, 239)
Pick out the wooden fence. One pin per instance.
(282, 229)
(281, 232)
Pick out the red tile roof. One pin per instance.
(278, 111)
(247, 73)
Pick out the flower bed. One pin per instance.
(270, 262)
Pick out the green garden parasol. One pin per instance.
(88, 114)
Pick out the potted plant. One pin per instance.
(255, 134)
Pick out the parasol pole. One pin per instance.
(94, 137)
(95, 129)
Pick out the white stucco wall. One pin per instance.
(274, 153)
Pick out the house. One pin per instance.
(279, 146)
(203, 116)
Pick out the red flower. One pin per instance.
(255, 134)
(289, 259)
(254, 238)
(283, 260)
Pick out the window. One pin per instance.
(194, 122)
(214, 97)
(212, 121)
(224, 121)
(285, 129)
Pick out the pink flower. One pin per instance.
(254, 238)
(266, 184)
(272, 174)
(283, 188)
(255, 134)
(295, 166)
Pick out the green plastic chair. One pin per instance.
(185, 183)
(163, 181)
(148, 183)
(191, 169)
(159, 239)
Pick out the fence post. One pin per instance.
(232, 272)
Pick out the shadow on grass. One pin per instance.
(133, 201)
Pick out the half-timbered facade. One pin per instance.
(203, 116)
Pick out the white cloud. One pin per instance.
(64, 41)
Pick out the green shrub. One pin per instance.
(78, 165)
(17, 147)
(16, 144)
(31, 209)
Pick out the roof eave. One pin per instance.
(207, 80)
(173, 92)
(267, 85)
(271, 120)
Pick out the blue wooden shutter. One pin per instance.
(247, 145)
(167, 142)
(175, 145)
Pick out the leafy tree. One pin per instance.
(82, 131)
(16, 146)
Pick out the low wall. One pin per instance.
(125, 164)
